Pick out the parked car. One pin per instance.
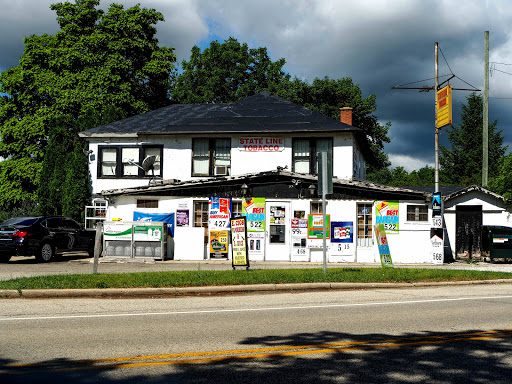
(44, 237)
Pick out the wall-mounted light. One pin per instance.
(312, 190)
(244, 188)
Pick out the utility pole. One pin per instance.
(436, 171)
(485, 130)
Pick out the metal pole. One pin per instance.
(435, 119)
(324, 189)
(97, 246)
(485, 130)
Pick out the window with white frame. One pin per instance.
(116, 161)
(211, 157)
(364, 225)
(305, 150)
(417, 213)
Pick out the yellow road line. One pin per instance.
(273, 351)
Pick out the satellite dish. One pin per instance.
(148, 163)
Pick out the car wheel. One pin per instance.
(46, 253)
(4, 259)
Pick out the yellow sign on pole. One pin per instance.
(444, 106)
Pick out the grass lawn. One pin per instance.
(234, 277)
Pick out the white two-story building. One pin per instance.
(260, 155)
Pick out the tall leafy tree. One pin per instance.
(462, 163)
(501, 183)
(97, 60)
(226, 72)
(65, 172)
(328, 95)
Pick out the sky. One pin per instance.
(377, 43)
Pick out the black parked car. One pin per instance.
(43, 236)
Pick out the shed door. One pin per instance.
(468, 222)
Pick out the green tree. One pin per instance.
(226, 72)
(501, 183)
(462, 163)
(327, 96)
(66, 188)
(97, 60)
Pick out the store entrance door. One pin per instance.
(277, 231)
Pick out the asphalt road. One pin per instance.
(435, 335)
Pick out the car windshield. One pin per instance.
(25, 221)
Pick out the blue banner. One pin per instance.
(166, 217)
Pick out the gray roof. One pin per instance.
(451, 192)
(343, 188)
(261, 113)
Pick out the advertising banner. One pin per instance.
(240, 257)
(219, 213)
(382, 243)
(253, 208)
(437, 241)
(316, 226)
(117, 231)
(166, 217)
(342, 238)
(182, 217)
(148, 232)
(219, 243)
(316, 230)
(386, 213)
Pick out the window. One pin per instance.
(304, 157)
(364, 225)
(236, 208)
(316, 207)
(417, 213)
(145, 203)
(125, 161)
(211, 157)
(201, 217)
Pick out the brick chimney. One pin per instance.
(346, 115)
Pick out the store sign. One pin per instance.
(261, 144)
(219, 213)
(240, 257)
(386, 213)
(444, 106)
(382, 243)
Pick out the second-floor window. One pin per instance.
(211, 157)
(305, 153)
(117, 161)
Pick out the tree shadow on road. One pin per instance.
(367, 358)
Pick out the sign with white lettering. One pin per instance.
(261, 144)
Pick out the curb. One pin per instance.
(224, 289)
